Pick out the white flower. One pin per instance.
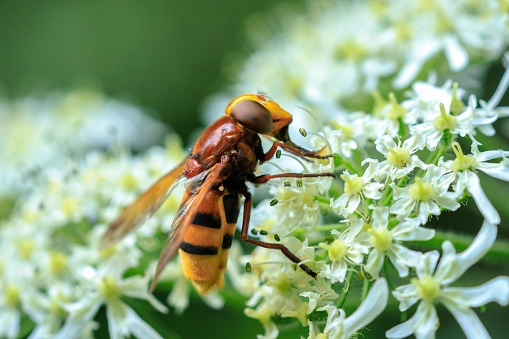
(401, 159)
(347, 247)
(438, 120)
(464, 166)
(432, 286)
(106, 286)
(356, 188)
(425, 196)
(339, 326)
(387, 242)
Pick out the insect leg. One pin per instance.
(243, 235)
(293, 150)
(261, 179)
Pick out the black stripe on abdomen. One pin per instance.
(196, 249)
(231, 205)
(207, 220)
(227, 241)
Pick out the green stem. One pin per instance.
(358, 158)
(365, 289)
(349, 278)
(388, 276)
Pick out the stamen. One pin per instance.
(323, 138)
(298, 160)
(457, 105)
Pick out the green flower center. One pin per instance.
(444, 121)
(462, 162)
(381, 238)
(11, 296)
(353, 185)
(398, 157)
(396, 111)
(337, 250)
(25, 248)
(421, 191)
(428, 288)
(57, 263)
(281, 283)
(108, 288)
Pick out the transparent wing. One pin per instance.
(145, 206)
(183, 219)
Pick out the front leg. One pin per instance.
(296, 151)
(245, 228)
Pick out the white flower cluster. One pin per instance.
(51, 270)
(401, 164)
(37, 132)
(338, 52)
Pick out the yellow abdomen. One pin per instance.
(207, 241)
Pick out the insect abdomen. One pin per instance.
(207, 241)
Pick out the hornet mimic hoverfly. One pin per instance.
(222, 160)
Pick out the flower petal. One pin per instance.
(468, 320)
(487, 210)
(369, 309)
(496, 290)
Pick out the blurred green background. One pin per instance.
(165, 56)
(162, 55)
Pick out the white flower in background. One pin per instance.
(335, 54)
(425, 196)
(339, 326)
(356, 188)
(39, 132)
(387, 242)
(432, 285)
(464, 166)
(401, 159)
(106, 286)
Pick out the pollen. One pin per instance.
(444, 121)
(108, 288)
(421, 191)
(462, 162)
(353, 185)
(428, 288)
(381, 238)
(398, 157)
(11, 296)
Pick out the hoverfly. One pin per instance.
(224, 157)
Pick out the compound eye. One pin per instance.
(252, 115)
